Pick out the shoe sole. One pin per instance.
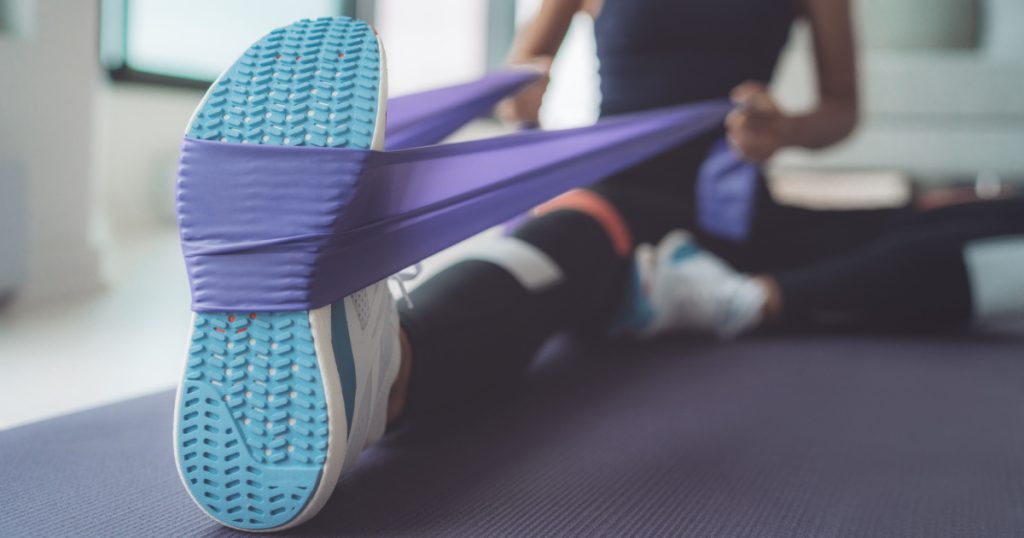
(261, 417)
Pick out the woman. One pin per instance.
(476, 325)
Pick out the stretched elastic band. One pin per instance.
(424, 118)
(428, 117)
(599, 209)
(278, 228)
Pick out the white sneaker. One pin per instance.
(678, 287)
(274, 406)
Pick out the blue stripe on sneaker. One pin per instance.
(686, 250)
(342, 344)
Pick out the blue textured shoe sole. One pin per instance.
(252, 424)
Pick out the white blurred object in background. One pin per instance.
(573, 98)
(1004, 28)
(432, 44)
(919, 24)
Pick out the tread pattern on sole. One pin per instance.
(252, 418)
(253, 425)
(313, 83)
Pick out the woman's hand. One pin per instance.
(523, 108)
(757, 128)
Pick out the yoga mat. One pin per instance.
(815, 436)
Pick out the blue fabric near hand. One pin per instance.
(726, 186)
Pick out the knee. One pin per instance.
(600, 210)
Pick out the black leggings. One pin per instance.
(911, 277)
(475, 327)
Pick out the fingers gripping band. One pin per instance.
(534, 270)
(427, 117)
(599, 209)
(271, 228)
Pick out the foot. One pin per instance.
(678, 287)
(274, 406)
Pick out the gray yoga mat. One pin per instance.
(817, 436)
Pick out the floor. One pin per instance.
(821, 435)
(123, 341)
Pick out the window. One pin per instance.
(189, 42)
(432, 44)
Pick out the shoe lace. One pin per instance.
(406, 275)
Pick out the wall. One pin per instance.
(939, 104)
(138, 137)
(47, 127)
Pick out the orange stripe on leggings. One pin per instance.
(600, 210)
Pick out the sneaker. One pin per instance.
(678, 287)
(274, 406)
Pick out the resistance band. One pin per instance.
(425, 118)
(348, 217)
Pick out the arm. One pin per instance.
(758, 129)
(537, 45)
(544, 34)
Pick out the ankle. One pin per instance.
(400, 389)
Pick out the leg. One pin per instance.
(476, 325)
(786, 237)
(683, 287)
(928, 274)
(936, 271)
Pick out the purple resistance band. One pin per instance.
(349, 218)
(425, 118)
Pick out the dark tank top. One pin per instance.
(657, 53)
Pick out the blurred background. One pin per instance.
(96, 96)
